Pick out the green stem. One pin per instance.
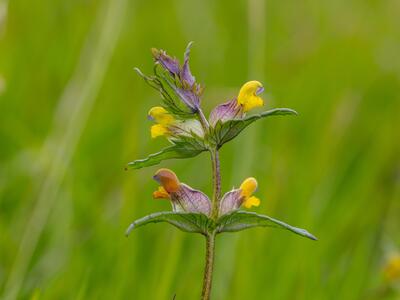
(203, 120)
(216, 183)
(210, 237)
(208, 270)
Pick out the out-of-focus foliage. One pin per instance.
(73, 112)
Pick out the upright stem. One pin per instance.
(208, 270)
(210, 237)
(216, 183)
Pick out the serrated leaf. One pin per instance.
(241, 220)
(188, 222)
(184, 147)
(223, 132)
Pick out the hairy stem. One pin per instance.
(210, 237)
(216, 183)
(208, 270)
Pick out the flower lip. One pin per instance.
(259, 90)
(159, 130)
(161, 193)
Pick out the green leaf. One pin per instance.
(184, 147)
(241, 220)
(188, 222)
(223, 132)
(167, 153)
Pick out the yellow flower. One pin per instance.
(248, 187)
(163, 119)
(392, 268)
(160, 115)
(167, 125)
(248, 95)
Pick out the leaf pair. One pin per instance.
(223, 132)
(199, 223)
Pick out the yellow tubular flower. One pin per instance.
(248, 95)
(248, 187)
(163, 119)
(160, 115)
(158, 130)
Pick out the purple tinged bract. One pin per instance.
(189, 97)
(190, 200)
(226, 111)
(232, 200)
(166, 61)
(186, 75)
(187, 89)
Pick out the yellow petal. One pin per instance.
(252, 102)
(248, 187)
(158, 130)
(248, 97)
(251, 201)
(161, 193)
(161, 116)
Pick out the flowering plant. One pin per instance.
(182, 122)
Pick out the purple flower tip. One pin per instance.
(168, 63)
(260, 90)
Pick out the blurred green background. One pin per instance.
(73, 113)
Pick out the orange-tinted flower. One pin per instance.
(182, 196)
(167, 179)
